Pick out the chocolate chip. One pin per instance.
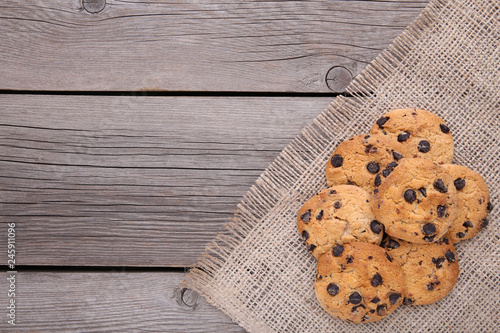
(306, 217)
(459, 183)
(386, 172)
(349, 259)
(369, 149)
(305, 235)
(489, 206)
(375, 191)
(450, 256)
(370, 257)
(376, 226)
(336, 161)
(319, 277)
(319, 216)
(441, 211)
(388, 169)
(378, 180)
(445, 129)
(484, 223)
(429, 229)
(372, 311)
(423, 191)
(332, 289)
(403, 136)
(408, 301)
(410, 195)
(429, 238)
(382, 310)
(365, 318)
(375, 300)
(381, 121)
(393, 298)
(392, 244)
(333, 192)
(337, 204)
(397, 156)
(337, 250)
(354, 308)
(440, 186)
(438, 262)
(424, 146)
(355, 298)
(388, 257)
(468, 224)
(373, 167)
(376, 280)
(367, 136)
(311, 247)
(446, 241)
(430, 287)
(460, 234)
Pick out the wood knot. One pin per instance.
(93, 6)
(187, 297)
(338, 78)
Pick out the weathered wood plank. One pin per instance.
(133, 181)
(191, 45)
(108, 302)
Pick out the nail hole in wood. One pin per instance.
(93, 6)
(338, 78)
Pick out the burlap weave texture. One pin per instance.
(260, 274)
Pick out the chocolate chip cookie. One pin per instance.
(423, 133)
(417, 202)
(430, 270)
(338, 215)
(358, 160)
(473, 202)
(359, 282)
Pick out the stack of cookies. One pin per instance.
(384, 230)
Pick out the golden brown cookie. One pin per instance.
(473, 202)
(423, 133)
(338, 215)
(359, 282)
(417, 202)
(358, 160)
(431, 270)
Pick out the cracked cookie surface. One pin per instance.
(338, 215)
(359, 282)
(431, 270)
(359, 159)
(417, 202)
(423, 133)
(473, 202)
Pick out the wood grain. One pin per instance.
(275, 46)
(133, 181)
(114, 301)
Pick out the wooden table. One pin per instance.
(131, 129)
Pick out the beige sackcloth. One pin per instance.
(258, 270)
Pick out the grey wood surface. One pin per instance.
(133, 181)
(111, 301)
(274, 46)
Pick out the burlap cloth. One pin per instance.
(258, 271)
